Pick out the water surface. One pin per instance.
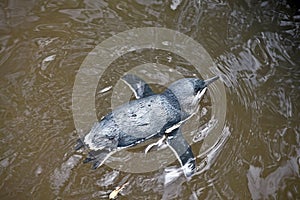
(255, 48)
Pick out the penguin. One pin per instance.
(149, 116)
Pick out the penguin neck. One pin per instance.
(175, 103)
(172, 99)
(188, 105)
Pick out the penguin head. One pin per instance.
(188, 92)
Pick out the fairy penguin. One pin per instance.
(150, 115)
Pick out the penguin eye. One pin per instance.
(197, 89)
(199, 85)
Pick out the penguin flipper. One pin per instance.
(138, 86)
(183, 151)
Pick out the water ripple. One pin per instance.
(255, 46)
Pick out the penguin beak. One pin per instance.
(209, 81)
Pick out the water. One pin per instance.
(254, 46)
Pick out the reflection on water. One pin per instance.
(255, 48)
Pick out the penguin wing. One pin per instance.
(138, 86)
(183, 151)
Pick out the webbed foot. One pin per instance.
(79, 145)
(98, 157)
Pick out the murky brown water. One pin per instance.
(255, 48)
